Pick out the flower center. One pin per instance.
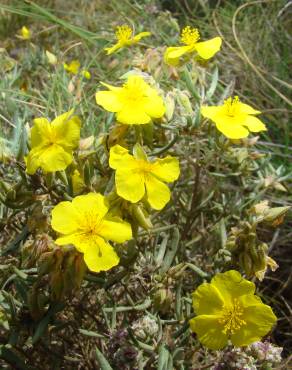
(134, 89)
(232, 106)
(144, 167)
(189, 36)
(89, 223)
(123, 33)
(231, 317)
(52, 136)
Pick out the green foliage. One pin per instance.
(54, 314)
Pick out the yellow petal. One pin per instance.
(67, 130)
(120, 158)
(50, 159)
(207, 300)
(72, 67)
(154, 106)
(210, 331)
(166, 169)
(173, 54)
(86, 74)
(93, 203)
(32, 161)
(74, 239)
(247, 109)
(158, 194)
(25, 33)
(210, 112)
(59, 120)
(231, 130)
(232, 285)
(116, 230)
(254, 124)
(65, 218)
(109, 100)
(247, 300)
(130, 185)
(140, 35)
(40, 132)
(259, 321)
(133, 115)
(100, 255)
(113, 48)
(207, 49)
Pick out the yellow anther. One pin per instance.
(134, 88)
(144, 167)
(123, 33)
(232, 106)
(231, 317)
(189, 36)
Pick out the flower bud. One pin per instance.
(46, 263)
(141, 216)
(275, 216)
(170, 105)
(184, 101)
(162, 300)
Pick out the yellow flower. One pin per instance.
(135, 175)
(234, 119)
(86, 74)
(25, 33)
(52, 143)
(124, 36)
(190, 38)
(228, 309)
(136, 103)
(72, 67)
(85, 224)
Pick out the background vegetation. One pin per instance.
(216, 191)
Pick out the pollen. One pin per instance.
(123, 33)
(89, 224)
(189, 35)
(134, 89)
(232, 106)
(231, 317)
(144, 167)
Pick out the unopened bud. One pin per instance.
(141, 216)
(247, 264)
(162, 300)
(170, 105)
(184, 101)
(46, 263)
(275, 216)
(87, 174)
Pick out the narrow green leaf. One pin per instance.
(43, 324)
(90, 333)
(103, 362)
(170, 254)
(213, 85)
(163, 356)
(11, 357)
